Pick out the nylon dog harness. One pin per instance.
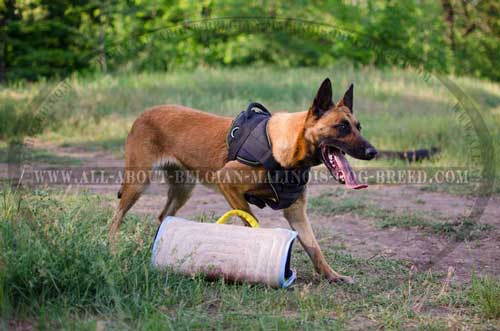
(248, 142)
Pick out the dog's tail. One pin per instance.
(120, 191)
(409, 156)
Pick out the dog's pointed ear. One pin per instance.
(323, 99)
(348, 99)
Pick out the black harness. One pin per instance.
(248, 142)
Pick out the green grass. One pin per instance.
(397, 108)
(323, 203)
(57, 272)
(331, 203)
(459, 190)
(22, 154)
(484, 293)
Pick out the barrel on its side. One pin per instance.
(236, 253)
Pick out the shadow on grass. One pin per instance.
(484, 97)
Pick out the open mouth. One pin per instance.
(339, 168)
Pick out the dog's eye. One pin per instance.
(358, 126)
(343, 128)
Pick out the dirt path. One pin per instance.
(355, 234)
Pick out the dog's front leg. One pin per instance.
(297, 218)
(232, 188)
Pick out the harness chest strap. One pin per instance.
(248, 142)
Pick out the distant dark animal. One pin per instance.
(409, 156)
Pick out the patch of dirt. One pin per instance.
(400, 197)
(358, 235)
(360, 322)
(15, 325)
(361, 238)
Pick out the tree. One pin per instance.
(7, 14)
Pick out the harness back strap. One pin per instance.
(248, 141)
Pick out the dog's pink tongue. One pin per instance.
(349, 177)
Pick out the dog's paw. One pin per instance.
(342, 279)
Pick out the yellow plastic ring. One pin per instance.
(243, 214)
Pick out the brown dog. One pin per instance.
(177, 137)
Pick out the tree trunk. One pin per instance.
(102, 48)
(4, 38)
(3, 54)
(449, 13)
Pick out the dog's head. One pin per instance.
(334, 130)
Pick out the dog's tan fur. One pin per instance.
(178, 137)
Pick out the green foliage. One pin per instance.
(41, 39)
(44, 38)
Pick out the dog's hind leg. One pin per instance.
(297, 218)
(178, 194)
(129, 194)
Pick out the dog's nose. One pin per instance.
(370, 152)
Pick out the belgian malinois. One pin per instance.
(178, 137)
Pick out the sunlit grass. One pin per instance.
(399, 110)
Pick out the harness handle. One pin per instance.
(260, 106)
(241, 213)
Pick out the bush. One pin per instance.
(54, 39)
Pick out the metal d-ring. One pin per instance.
(234, 130)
